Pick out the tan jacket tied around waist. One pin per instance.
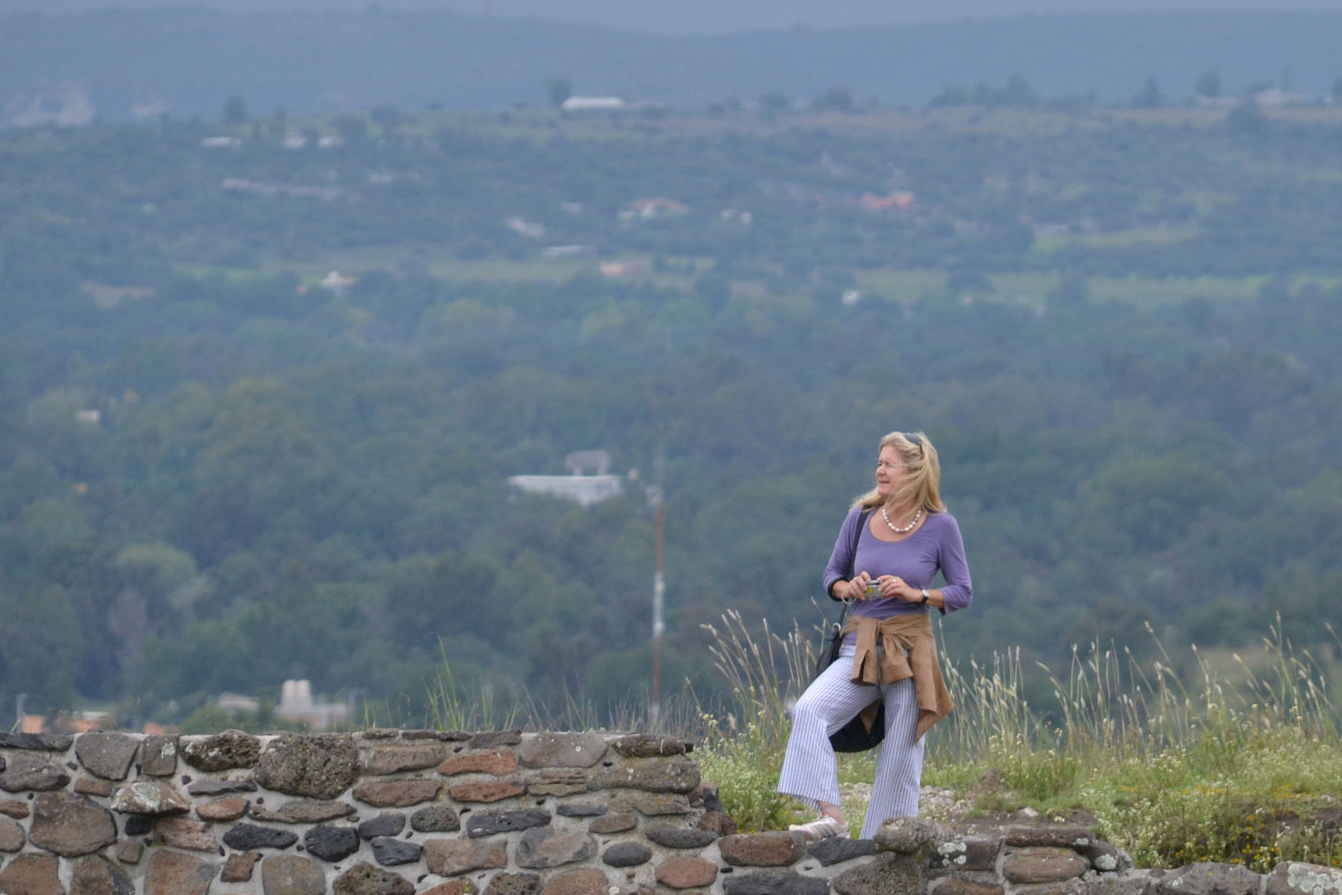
(907, 648)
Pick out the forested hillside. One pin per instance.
(221, 467)
(117, 65)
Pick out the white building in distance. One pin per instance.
(589, 481)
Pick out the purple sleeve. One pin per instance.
(841, 560)
(958, 591)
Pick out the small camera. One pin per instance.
(873, 588)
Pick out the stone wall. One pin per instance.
(386, 812)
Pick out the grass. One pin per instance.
(1236, 766)
(1032, 288)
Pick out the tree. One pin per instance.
(1209, 85)
(559, 90)
(235, 111)
(1018, 93)
(1150, 96)
(353, 129)
(834, 99)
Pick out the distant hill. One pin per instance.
(120, 64)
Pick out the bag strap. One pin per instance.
(852, 563)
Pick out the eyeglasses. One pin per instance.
(913, 438)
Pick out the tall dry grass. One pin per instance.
(1237, 764)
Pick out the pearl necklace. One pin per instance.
(907, 528)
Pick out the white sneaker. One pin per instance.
(823, 827)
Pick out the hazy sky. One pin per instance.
(707, 16)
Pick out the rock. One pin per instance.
(305, 811)
(1209, 879)
(390, 824)
(220, 787)
(238, 867)
(774, 849)
(493, 791)
(453, 857)
(92, 786)
(320, 766)
(15, 808)
(435, 819)
(1043, 865)
(644, 746)
(554, 781)
(896, 874)
(158, 756)
(541, 848)
(977, 854)
(382, 760)
(719, 823)
(177, 873)
(494, 739)
(182, 832)
(774, 882)
(365, 879)
(291, 875)
(679, 837)
(578, 809)
(151, 798)
(1296, 878)
(391, 852)
(245, 837)
(613, 823)
(495, 763)
(678, 774)
(1104, 856)
(128, 851)
(98, 876)
(588, 881)
(221, 751)
(70, 826)
(398, 793)
(837, 850)
(36, 742)
(12, 836)
(562, 750)
(514, 884)
(107, 755)
(489, 823)
(32, 875)
(222, 810)
(29, 773)
(907, 835)
(331, 843)
(651, 804)
(1073, 837)
(627, 854)
(454, 887)
(687, 872)
(953, 885)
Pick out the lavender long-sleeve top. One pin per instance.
(935, 547)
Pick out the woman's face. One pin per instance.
(889, 472)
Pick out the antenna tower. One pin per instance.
(658, 590)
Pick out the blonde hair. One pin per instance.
(923, 473)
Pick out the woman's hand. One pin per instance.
(856, 588)
(897, 588)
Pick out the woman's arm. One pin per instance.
(958, 591)
(840, 565)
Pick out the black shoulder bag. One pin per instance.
(854, 736)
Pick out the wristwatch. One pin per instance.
(926, 595)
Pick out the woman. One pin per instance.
(889, 653)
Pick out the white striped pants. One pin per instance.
(810, 772)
